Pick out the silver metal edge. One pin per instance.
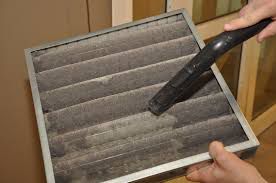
(108, 30)
(40, 120)
(182, 163)
(231, 99)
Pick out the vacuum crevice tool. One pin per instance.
(179, 84)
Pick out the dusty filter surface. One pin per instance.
(94, 94)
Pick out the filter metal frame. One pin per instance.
(242, 149)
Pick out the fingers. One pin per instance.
(251, 14)
(246, 20)
(270, 30)
(194, 176)
(200, 175)
(244, 10)
(198, 166)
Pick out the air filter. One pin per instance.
(91, 92)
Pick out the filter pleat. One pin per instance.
(94, 94)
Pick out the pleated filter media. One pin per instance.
(91, 96)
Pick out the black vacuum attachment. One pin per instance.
(180, 83)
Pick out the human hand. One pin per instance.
(226, 168)
(252, 13)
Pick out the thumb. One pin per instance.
(222, 157)
(216, 149)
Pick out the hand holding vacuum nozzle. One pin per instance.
(180, 83)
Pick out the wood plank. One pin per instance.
(267, 61)
(26, 24)
(197, 13)
(248, 76)
(264, 159)
(223, 7)
(264, 121)
(100, 14)
(122, 11)
(214, 27)
(222, 61)
(147, 8)
(178, 4)
(208, 9)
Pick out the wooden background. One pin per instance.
(30, 23)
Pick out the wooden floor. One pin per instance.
(264, 160)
